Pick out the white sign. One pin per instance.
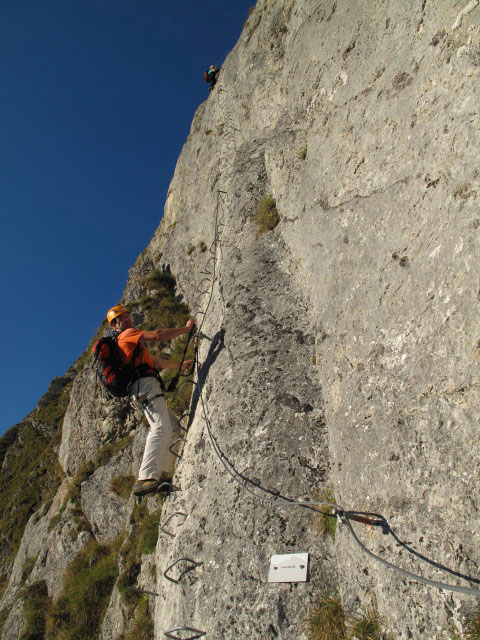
(290, 567)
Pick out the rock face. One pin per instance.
(338, 350)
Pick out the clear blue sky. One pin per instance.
(96, 101)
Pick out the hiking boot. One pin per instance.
(151, 486)
(145, 486)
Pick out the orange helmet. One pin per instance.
(116, 311)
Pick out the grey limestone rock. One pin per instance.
(339, 349)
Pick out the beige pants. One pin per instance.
(164, 428)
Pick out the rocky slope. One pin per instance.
(339, 350)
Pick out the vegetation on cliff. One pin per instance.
(88, 582)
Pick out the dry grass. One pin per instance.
(327, 621)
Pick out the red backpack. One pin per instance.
(112, 373)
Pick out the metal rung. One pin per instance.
(212, 258)
(167, 487)
(197, 299)
(177, 513)
(197, 633)
(203, 280)
(193, 564)
(170, 448)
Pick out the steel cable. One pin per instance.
(344, 515)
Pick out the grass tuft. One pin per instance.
(326, 525)
(327, 621)
(366, 626)
(122, 485)
(266, 215)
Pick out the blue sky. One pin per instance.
(96, 101)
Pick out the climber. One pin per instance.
(147, 392)
(210, 75)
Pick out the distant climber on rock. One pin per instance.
(210, 75)
(148, 393)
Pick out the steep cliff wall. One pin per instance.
(339, 350)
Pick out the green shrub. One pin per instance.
(327, 621)
(266, 215)
(87, 586)
(35, 610)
